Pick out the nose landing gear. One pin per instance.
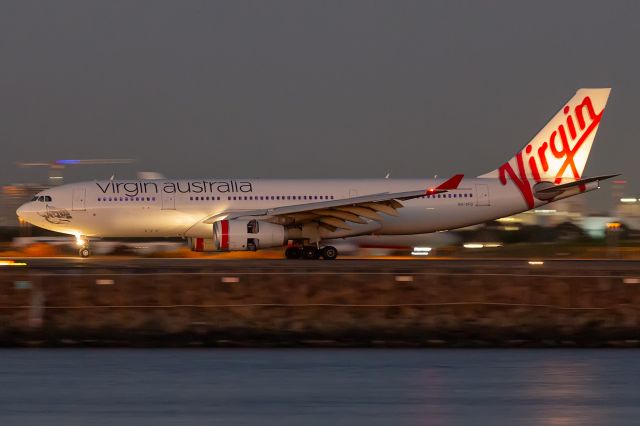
(84, 251)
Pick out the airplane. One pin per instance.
(302, 214)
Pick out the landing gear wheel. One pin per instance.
(293, 253)
(329, 253)
(310, 252)
(84, 252)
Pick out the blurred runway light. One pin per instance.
(421, 251)
(104, 281)
(404, 278)
(473, 245)
(230, 280)
(492, 245)
(22, 285)
(11, 263)
(536, 262)
(630, 280)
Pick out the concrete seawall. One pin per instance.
(415, 305)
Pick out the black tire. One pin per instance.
(293, 253)
(311, 253)
(329, 253)
(84, 252)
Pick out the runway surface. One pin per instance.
(341, 266)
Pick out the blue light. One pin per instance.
(67, 161)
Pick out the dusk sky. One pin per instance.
(309, 89)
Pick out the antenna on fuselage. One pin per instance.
(387, 175)
(112, 176)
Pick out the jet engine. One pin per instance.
(202, 244)
(251, 235)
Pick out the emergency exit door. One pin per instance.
(168, 201)
(78, 202)
(482, 195)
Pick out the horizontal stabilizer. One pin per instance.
(547, 191)
(565, 186)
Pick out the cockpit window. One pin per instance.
(47, 198)
(35, 198)
(41, 198)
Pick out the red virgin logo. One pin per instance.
(553, 157)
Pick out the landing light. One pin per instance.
(628, 200)
(79, 241)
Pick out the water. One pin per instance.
(319, 387)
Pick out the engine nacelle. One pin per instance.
(239, 235)
(202, 244)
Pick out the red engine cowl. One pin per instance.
(202, 244)
(242, 235)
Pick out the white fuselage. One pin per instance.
(178, 208)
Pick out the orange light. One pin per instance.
(11, 263)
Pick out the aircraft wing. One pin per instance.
(334, 214)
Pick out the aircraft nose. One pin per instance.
(21, 211)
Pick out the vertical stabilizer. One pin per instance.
(559, 152)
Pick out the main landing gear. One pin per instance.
(311, 252)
